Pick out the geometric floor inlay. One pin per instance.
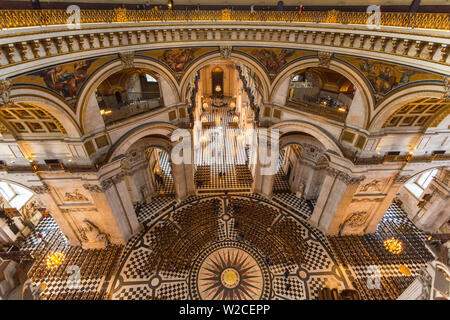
(232, 271)
(215, 247)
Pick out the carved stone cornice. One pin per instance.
(93, 188)
(40, 189)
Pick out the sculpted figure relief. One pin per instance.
(91, 233)
(75, 196)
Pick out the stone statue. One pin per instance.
(301, 190)
(91, 233)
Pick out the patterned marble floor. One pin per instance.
(213, 274)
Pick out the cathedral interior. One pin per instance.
(224, 153)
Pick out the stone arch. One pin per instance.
(318, 133)
(155, 129)
(368, 100)
(116, 66)
(390, 104)
(51, 103)
(234, 56)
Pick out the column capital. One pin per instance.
(401, 179)
(93, 188)
(40, 189)
(346, 178)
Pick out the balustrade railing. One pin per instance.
(28, 18)
(130, 110)
(319, 109)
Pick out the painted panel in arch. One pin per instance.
(273, 60)
(178, 59)
(65, 79)
(384, 77)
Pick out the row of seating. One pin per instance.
(282, 242)
(178, 241)
(359, 252)
(92, 264)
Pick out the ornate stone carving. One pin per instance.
(324, 58)
(106, 184)
(225, 52)
(357, 219)
(118, 177)
(40, 189)
(75, 196)
(127, 59)
(5, 90)
(401, 179)
(349, 180)
(354, 220)
(332, 172)
(447, 89)
(374, 185)
(93, 188)
(91, 233)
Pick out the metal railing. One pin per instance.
(318, 109)
(130, 110)
(28, 18)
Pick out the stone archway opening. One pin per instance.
(127, 93)
(322, 91)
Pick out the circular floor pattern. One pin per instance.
(143, 275)
(230, 271)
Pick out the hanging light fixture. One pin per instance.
(54, 260)
(393, 245)
(170, 4)
(218, 88)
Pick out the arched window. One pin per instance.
(418, 185)
(15, 195)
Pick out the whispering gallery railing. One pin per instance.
(28, 18)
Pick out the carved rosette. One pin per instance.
(40, 189)
(93, 188)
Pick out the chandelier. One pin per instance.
(54, 260)
(218, 88)
(393, 245)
